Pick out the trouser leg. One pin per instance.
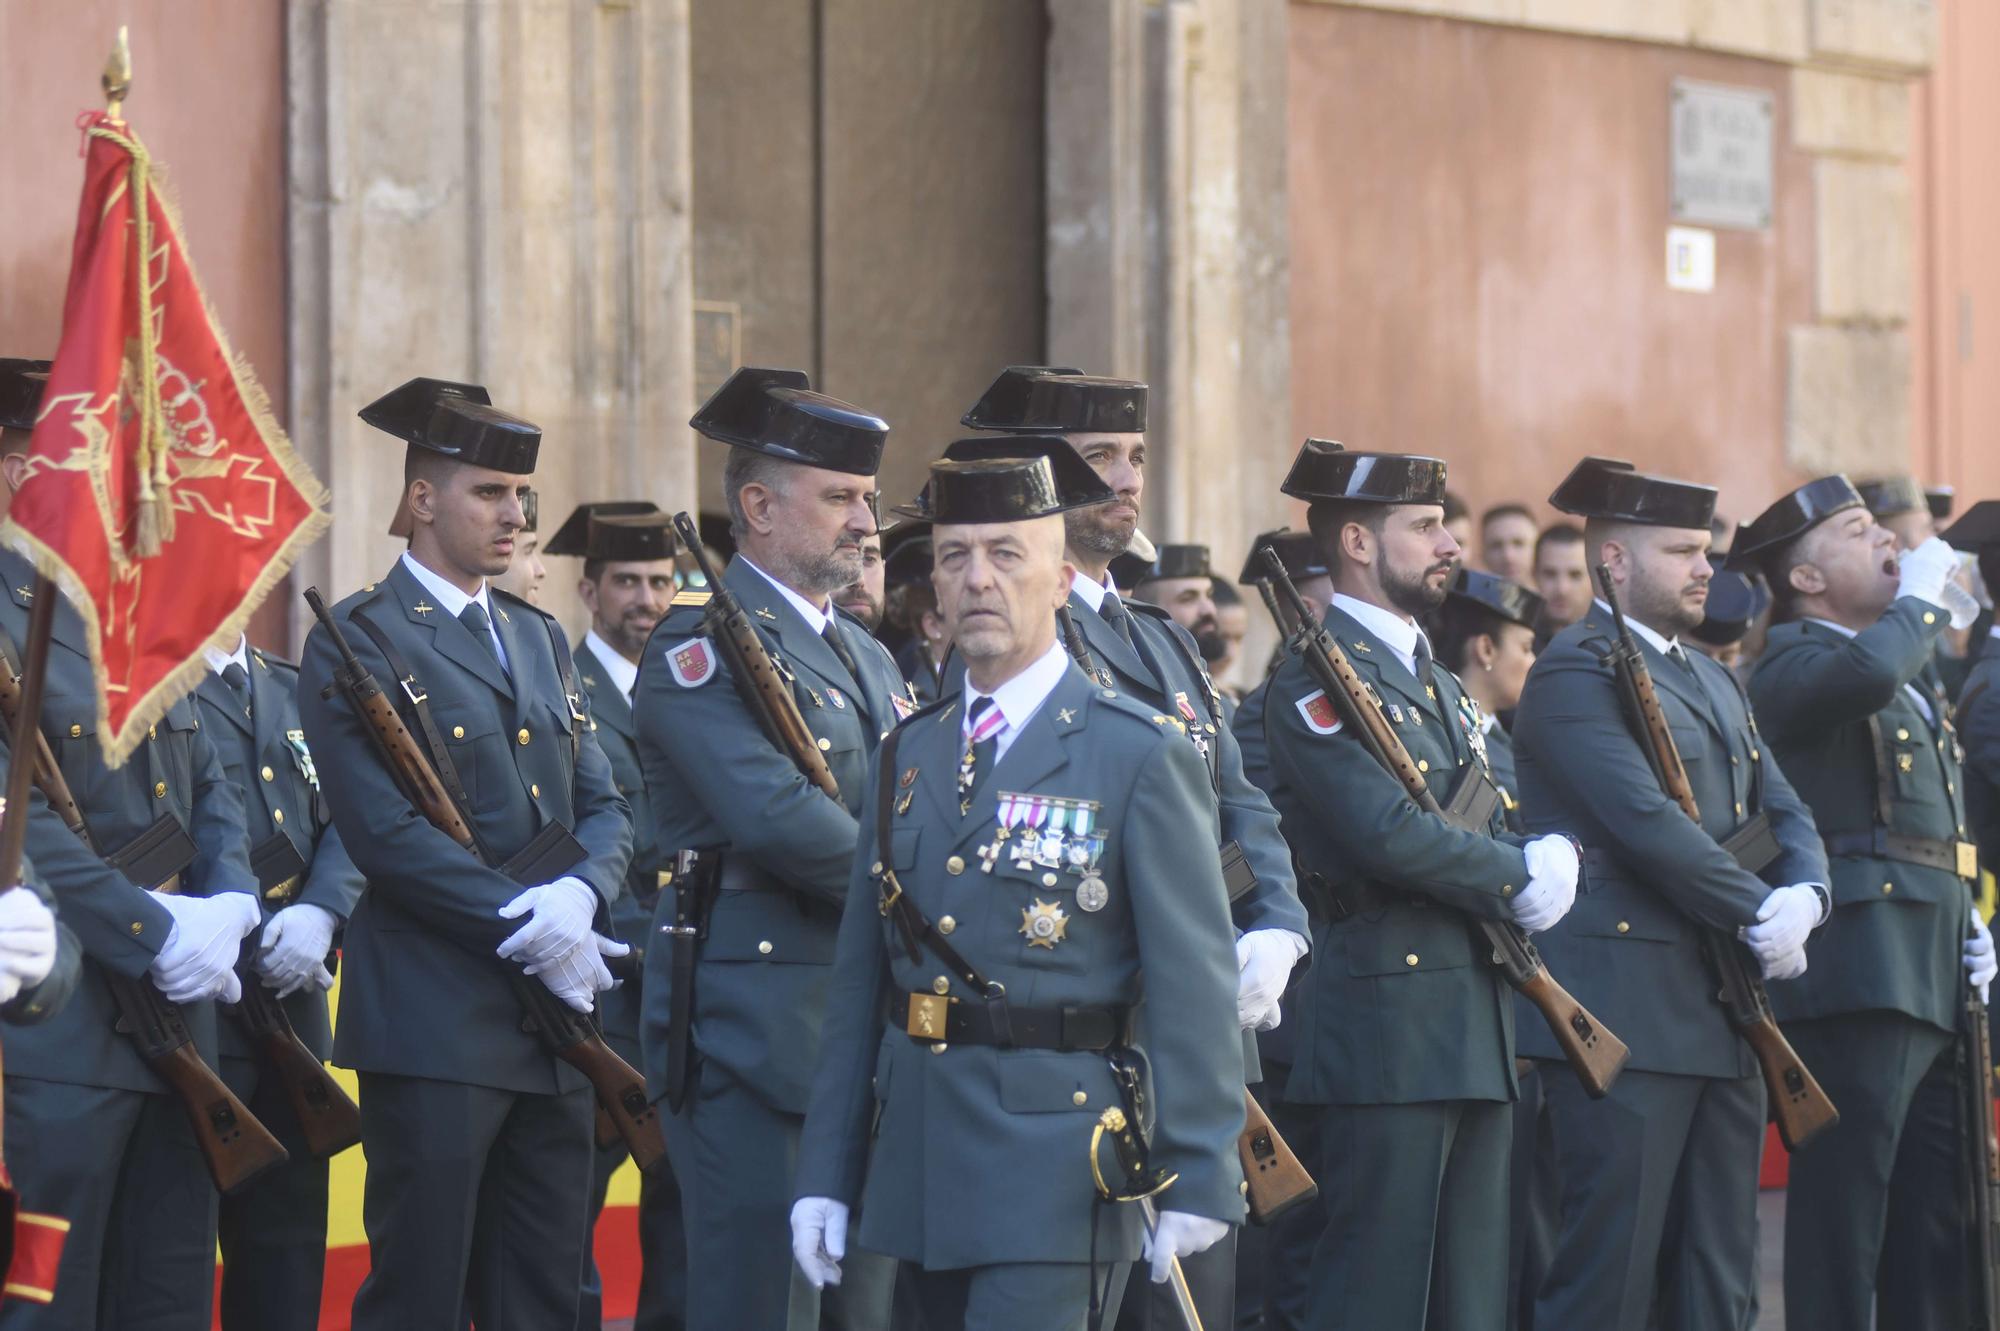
(273, 1231)
(1709, 1271)
(65, 1147)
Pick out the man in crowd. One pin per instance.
(1561, 579)
(1507, 543)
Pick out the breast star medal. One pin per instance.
(1044, 924)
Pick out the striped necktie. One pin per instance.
(983, 723)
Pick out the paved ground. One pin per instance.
(1771, 1270)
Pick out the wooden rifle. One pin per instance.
(1593, 1052)
(1981, 1160)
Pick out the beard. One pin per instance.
(1211, 642)
(1662, 609)
(826, 573)
(1088, 530)
(1412, 593)
(630, 633)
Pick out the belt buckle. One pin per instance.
(892, 891)
(925, 1019)
(282, 893)
(1968, 859)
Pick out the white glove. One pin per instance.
(579, 975)
(562, 910)
(1264, 961)
(1924, 571)
(293, 953)
(1551, 886)
(199, 959)
(819, 1238)
(1783, 965)
(1979, 964)
(27, 942)
(1785, 920)
(1180, 1235)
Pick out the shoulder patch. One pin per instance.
(1318, 711)
(692, 662)
(691, 596)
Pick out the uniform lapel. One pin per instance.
(267, 705)
(1036, 754)
(451, 638)
(522, 656)
(932, 746)
(1377, 660)
(1109, 648)
(862, 696)
(771, 612)
(608, 705)
(217, 692)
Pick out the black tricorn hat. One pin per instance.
(1503, 596)
(777, 413)
(1735, 599)
(1053, 399)
(459, 421)
(1977, 529)
(1326, 470)
(573, 537)
(1174, 561)
(1077, 483)
(983, 490)
(1610, 488)
(1792, 516)
(907, 554)
(1297, 551)
(1887, 496)
(21, 385)
(1940, 499)
(630, 536)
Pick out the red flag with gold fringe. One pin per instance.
(161, 495)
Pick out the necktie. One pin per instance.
(983, 722)
(238, 681)
(1114, 613)
(1679, 657)
(839, 644)
(479, 626)
(1425, 675)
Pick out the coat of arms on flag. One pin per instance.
(1318, 711)
(693, 662)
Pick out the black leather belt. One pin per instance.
(933, 1018)
(1955, 857)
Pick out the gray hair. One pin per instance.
(748, 467)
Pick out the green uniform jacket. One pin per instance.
(1630, 948)
(1404, 1005)
(717, 783)
(1898, 930)
(121, 926)
(1979, 731)
(632, 914)
(981, 1155)
(422, 993)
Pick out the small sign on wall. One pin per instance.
(1721, 154)
(1690, 258)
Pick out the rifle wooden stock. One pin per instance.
(1592, 1051)
(1980, 1155)
(329, 1120)
(764, 691)
(1278, 1179)
(1798, 1104)
(567, 1034)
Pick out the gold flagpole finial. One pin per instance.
(117, 78)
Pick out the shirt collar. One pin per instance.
(1091, 591)
(221, 661)
(1397, 632)
(623, 673)
(1022, 696)
(816, 619)
(1664, 646)
(451, 600)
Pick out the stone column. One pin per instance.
(496, 192)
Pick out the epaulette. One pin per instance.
(1139, 711)
(694, 596)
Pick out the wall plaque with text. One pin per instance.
(1721, 155)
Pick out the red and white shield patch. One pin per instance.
(693, 662)
(1318, 711)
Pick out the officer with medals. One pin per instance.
(1659, 1179)
(1978, 533)
(273, 1231)
(1849, 699)
(478, 1138)
(627, 583)
(1405, 1032)
(93, 1134)
(800, 482)
(1036, 856)
(1139, 650)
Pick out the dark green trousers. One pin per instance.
(662, 1248)
(1534, 1202)
(273, 1230)
(1274, 1262)
(1048, 1296)
(1416, 1217)
(1874, 1213)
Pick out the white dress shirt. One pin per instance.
(623, 673)
(1020, 697)
(219, 661)
(1398, 632)
(1092, 592)
(453, 601)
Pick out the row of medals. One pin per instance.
(1043, 923)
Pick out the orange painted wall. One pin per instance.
(1478, 220)
(1956, 335)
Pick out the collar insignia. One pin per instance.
(423, 607)
(762, 613)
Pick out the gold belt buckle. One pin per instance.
(926, 1016)
(1968, 860)
(282, 893)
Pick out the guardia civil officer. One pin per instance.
(478, 1138)
(1052, 845)
(627, 582)
(1978, 532)
(1659, 1179)
(1274, 1261)
(273, 1230)
(1850, 701)
(1406, 1037)
(800, 482)
(92, 1133)
(1139, 650)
